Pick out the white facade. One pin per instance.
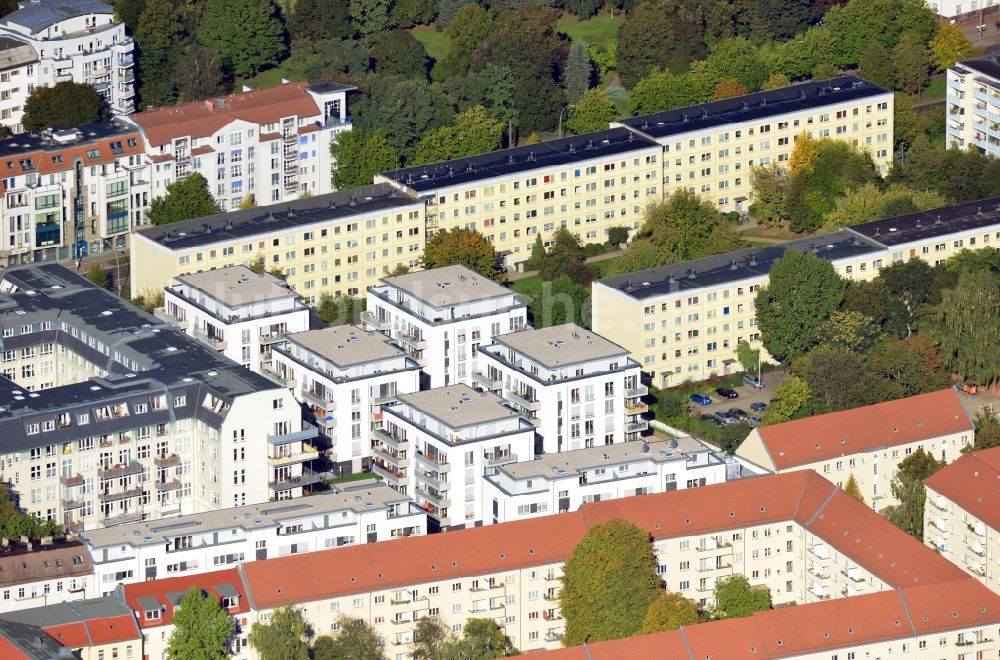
(955, 8)
(436, 445)
(235, 311)
(442, 316)
(579, 389)
(357, 512)
(18, 64)
(557, 483)
(74, 40)
(344, 375)
(973, 118)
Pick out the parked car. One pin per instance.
(738, 413)
(753, 381)
(710, 418)
(725, 419)
(758, 406)
(755, 420)
(701, 399)
(727, 393)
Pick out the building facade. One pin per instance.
(43, 572)
(91, 629)
(578, 389)
(72, 40)
(683, 321)
(18, 65)
(344, 375)
(867, 443)
(235, 311)
(442, 316)
(973, 118)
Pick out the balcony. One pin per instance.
(287, 482)
(69, 505)
(167, 461)
(323, 401)
(638, 426)
(436, 483)
(553, 635)
(121, 495)
(637, 391)
(390, 474)
(121, 519)
(853, 575)
(382, 400)
(435, 463)
(71, 482)
(636, 408)
(162, 314)
(495, 460)
(119, 471)
(487, 382)
(396, 442)
(308, 433)
(307, 454)
(391, 459)
(210, 340)
(521, 400)
(164, 486)
(439, 500)
(414, 342)
(372, 321)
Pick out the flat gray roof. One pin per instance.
(60, 614)
(558, 465)
(358, 496)
(346, 345)
(238, 285)
(561, 345)
(458, 406)
(449, 285)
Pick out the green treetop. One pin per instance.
(201, 628)
(186, 199)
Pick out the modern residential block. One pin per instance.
(73, 40)
(18, 77)
(557, 483)
(867, 442)
(109, 416)
(683, 321)
(960, 514)
(360, 512)
(344, 375)
(973, 118)
(270, 144)
(336, 244)
(436, 445)
(442, 316)
(578, 388)
(235, 311)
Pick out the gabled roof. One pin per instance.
(869, 428)
(61, 560)
(167, 593)
(972, 483)
(203, 118)
(82, 623)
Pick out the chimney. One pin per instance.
(208, 105)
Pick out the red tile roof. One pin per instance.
(10, 652)
(159, 590)
(858, 430)
(111, 630)
(56, 159)
(203, 118)
(973, 483)
(70, 634)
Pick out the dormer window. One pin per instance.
(152, 615)
(230, 602)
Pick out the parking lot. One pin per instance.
(747, 396)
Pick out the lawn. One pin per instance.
(357, 476)
(435, 43)
(267, 78)
(532, 286)
(600, 30)
(936, 90)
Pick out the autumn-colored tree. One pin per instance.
(776, 81)
(466, 247)
(803, 155)
(853, 489)
(950, 45)
(669, 611)
(727, 89)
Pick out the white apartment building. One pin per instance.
(270, 144)
(867, 442)
(973, 118)
(558, 483)
(71, 193)
(235, 311)
(436, 445)
(77, 40)
(344, 375)
(577, 388)
(683, 321)
(442, 316)
(33, 574)
(955, 8)
(358, 512)
(960, 515)
(18, 64)
(109, 416)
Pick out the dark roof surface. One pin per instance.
(989, 66)
(36, 15)
(924, 225)
(238, 225)
(761, 105)
(87, 134)
(552, 153)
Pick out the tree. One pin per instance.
(281, 638)
(186, 199)
(608, 583)
(356, 639)
(404, 109)
(735, 597)
(201, 75)
(871, 202)
(64, 105)
(906, 123)
(965, 326)
(249, 45)
(839, 378)
(876, 65)
(911, 62)
(971, 261)
(679, 39)
(908, 487)
(618, 235)
(820, 172)
(314, 20)
(849, 330)
(566, 257)
(482, 639)
(802, 292)
(562, 300)
(669, 611)
(853, 489)
(728, 89)
(360, 157)
(98, 276)
(770, 190)
(776, 81)
(428, 635)
(578, 72)
(370, 18)
(738, 59)
(340, 309)
(397, 52)
(912, 284)
(498, 96)
(583, 8)
(471, 27)
(534, 262)
(987, 432)
(202, 629)
(908, 367)
(472, 132)
(748, 357)
(732, 436)
(463, 246)
(790, 401)
(950, 45)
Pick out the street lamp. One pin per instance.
(561, 116)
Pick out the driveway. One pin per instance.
(747, 396)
